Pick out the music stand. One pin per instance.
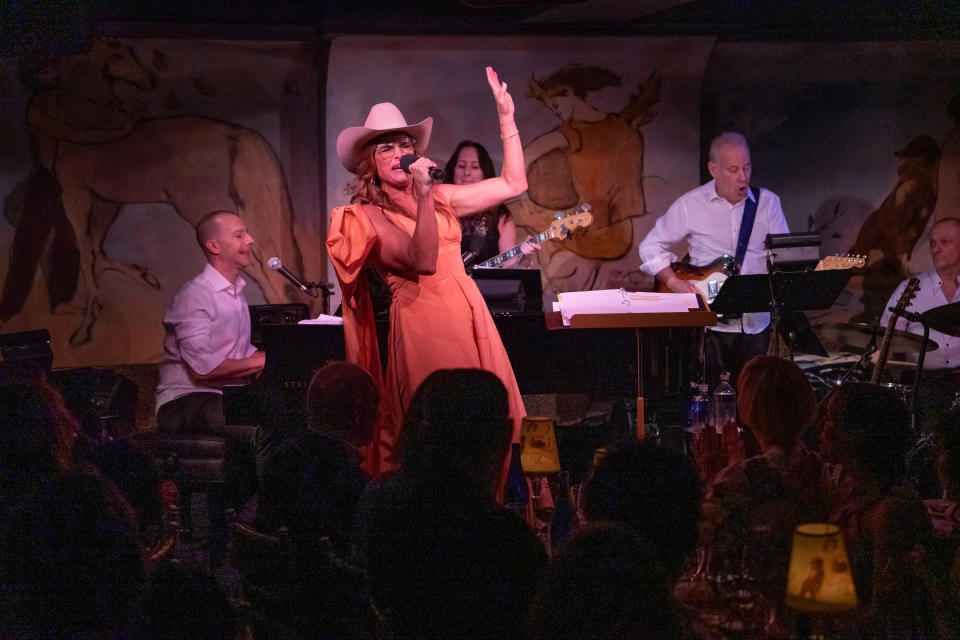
(285, 313)
(510, 290)
(782, 293)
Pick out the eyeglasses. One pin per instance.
(387, 149)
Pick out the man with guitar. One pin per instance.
(938, 287)
(721, 218)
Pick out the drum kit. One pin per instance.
(853, 343)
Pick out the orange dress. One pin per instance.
(438, 321)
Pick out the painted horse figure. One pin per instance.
(195, 164)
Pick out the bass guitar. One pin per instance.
(909, 293)
(561, 227)
(709, 278)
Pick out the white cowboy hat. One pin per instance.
(383, 118)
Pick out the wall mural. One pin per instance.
(592, 156)
(107, 130)
(107, 158)
(861, 142)
(612, 121)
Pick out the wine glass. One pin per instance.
(542, 515)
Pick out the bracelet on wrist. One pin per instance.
(510, 135)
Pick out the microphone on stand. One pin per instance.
(435, 172)
(275, 264)
(911, 316)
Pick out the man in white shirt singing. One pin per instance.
(207, 325)
(709, 218)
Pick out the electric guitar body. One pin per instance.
(707, 279)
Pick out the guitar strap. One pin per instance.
(746, 226)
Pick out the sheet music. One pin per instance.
(621, 301)
(652, 302)
(323, 319)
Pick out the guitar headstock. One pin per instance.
(565, 223)
(909, 293)
(841, 261)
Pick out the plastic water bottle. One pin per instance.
(693, 406)
(724, 403)
(699, 415)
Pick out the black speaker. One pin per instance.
(26, 352)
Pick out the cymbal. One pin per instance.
(855, 336)
(945, 319)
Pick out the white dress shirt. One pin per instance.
(711, 226)
(930, 295)
(206, 322)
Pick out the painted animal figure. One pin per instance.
(74, 100)
(897, 224)
(103, 155)
(197, 165)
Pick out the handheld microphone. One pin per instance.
(435, 172)
(275, 264)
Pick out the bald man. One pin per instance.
(708, 218)
(938, 287)
(207, 326)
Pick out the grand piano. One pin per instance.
(545, 360)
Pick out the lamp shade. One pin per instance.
(819, 580)
(599, 454)
(539, 454)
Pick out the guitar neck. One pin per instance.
(908, 292)
(882, 352)
(510, 254)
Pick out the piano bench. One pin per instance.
(197, 463)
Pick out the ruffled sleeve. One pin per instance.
(349, 241)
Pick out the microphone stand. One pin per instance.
(776, 308)
(912, 316)
(326, 290)
(867, 352)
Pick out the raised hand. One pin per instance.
(500, 94)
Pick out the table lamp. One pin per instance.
(599, 454)
(539, 456)
(819, 579)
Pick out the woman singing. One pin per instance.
(406, 226)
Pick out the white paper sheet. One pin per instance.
(323, 319)
(620, 301)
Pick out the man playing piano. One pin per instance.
(709, 218)
(207, 332)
